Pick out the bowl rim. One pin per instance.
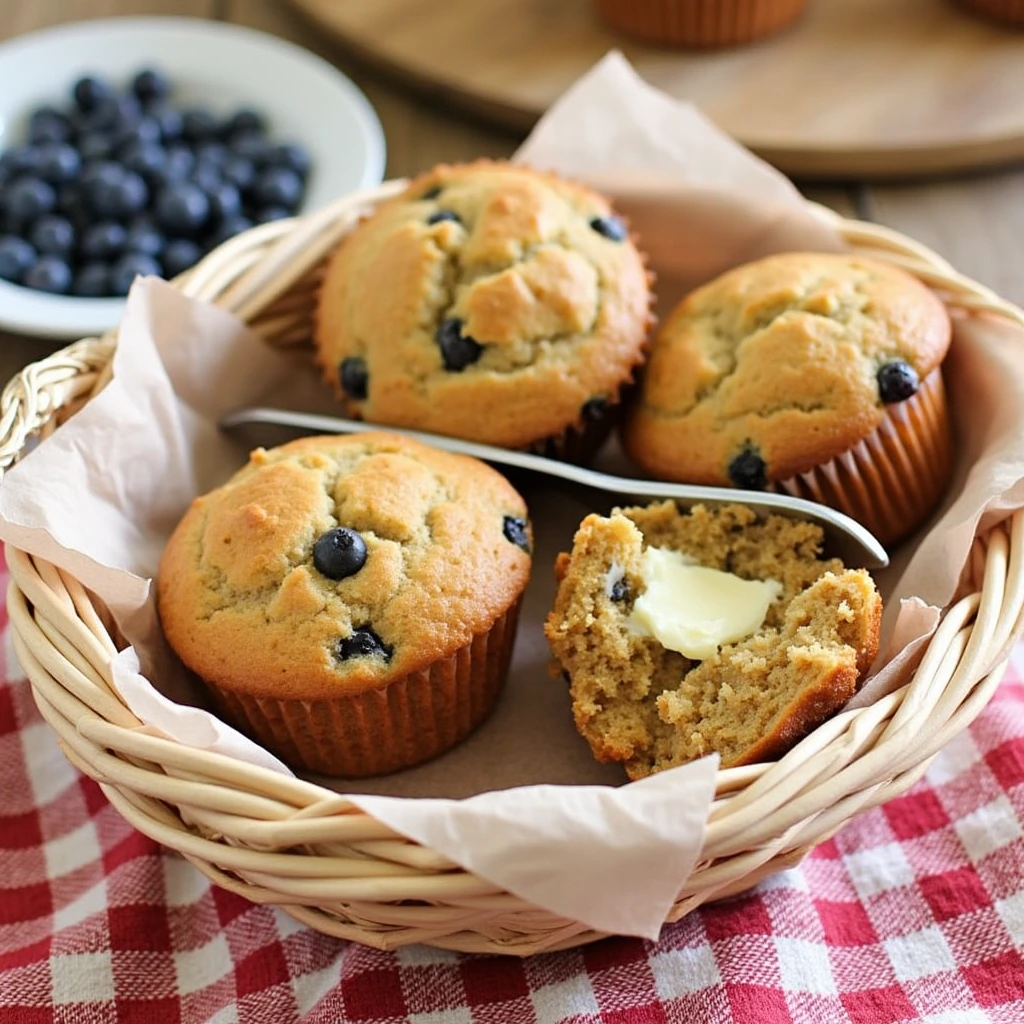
(65, 317)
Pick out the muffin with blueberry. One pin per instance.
(350, 602)
(489, 302)
(820, 375)
(683, 633)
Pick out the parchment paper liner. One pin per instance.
(892, 480)
(403, 724)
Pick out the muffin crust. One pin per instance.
(782, 359)
(488, 301)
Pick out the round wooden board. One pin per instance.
(856, 89)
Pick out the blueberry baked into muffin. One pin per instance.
(686, 633)
(817, 374)
(488, 302)
(350, 602)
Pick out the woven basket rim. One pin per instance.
(313, 852)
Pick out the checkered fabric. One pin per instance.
(914, 912)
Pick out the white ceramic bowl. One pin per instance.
(210, 63)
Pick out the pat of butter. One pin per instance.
(695, 610)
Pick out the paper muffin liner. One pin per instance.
(1010, 12)
(699, 23)
(893, 479)
(579, 443)
(397, 726)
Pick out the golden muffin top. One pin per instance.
(334, 565)
(487, 301)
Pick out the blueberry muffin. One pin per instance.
(817, 374)
(687, 633)
(350, 602)
(487, 302)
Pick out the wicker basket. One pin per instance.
(283, 841)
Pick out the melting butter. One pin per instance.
(695, 610)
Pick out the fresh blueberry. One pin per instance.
(355, 378)
(199, 124)
(182, 209)
(611, 227)
(212, 152)
(290, 156)
(130, 266)
(48, 125)
(595, 409)
(363, 643)
(225, 230)
(243, 121)
(458, 350)
(170, 122)
(748, 470)
(95, 146)
(119, 199)
(53, 235)
(127, 111)
(179, 164)
(250, 146)
(142, 237)
(516, 532)
(91, 280)
(72, 205)
(207, 176)
(897, 381)
(86, 124)
(277, 186)
(268, 213)
(59, 163)
(225, 203)
(150, 84)
(103, 240)
(21, 160)
(147, 159)
(442, 215)
(620, 590)
(339, 553)
(16, 256)
(28, 198)
(179, 254)
(239, 172)
(139, 132)
(103, 173)
(48, 274)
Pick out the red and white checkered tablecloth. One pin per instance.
(914, 912)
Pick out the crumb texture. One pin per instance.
(483, 303)
(636, 702)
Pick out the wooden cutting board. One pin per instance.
(857, 88)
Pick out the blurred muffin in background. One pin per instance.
(700, 23)
(1008, 12)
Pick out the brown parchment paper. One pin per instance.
(521, 802)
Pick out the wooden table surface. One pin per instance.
(976, 222)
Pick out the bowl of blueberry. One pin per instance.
(135, 146)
